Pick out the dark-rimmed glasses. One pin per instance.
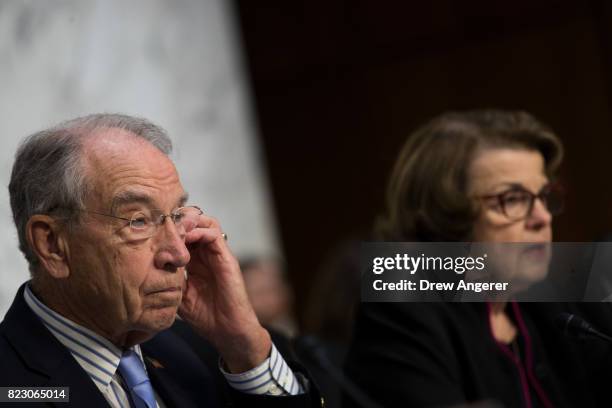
(517, 203)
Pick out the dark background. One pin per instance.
(339, 85)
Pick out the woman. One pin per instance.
(474, 176)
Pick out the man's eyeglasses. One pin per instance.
(143, 224)
(517, 203)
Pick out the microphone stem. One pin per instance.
(599, 334)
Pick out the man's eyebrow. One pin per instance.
(183, 200)
(131, 197)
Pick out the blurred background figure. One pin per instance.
(338, 85)
(270, 293)
(330, 310)
(484, 176)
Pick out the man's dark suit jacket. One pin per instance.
(31, 356)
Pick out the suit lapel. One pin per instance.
(49, 362)
(177, 374)
(166, 386)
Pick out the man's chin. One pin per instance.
(166, 318)
(158, 319)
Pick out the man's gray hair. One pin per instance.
(47, 175)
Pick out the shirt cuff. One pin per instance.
(272, 377)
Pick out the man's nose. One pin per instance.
(171, 253)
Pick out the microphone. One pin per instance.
(314, 349)
(576, 326)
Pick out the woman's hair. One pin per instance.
(427, 194)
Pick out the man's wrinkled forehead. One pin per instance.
(114, 159)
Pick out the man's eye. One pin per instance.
(139, 221)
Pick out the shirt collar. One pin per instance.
(95, 354)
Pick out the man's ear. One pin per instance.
(44, 235)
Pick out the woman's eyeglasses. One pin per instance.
(517, 202)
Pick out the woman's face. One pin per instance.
(495, 171)
(515, 173)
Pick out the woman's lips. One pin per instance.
(537, 251)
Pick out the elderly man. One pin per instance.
(115, 251)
